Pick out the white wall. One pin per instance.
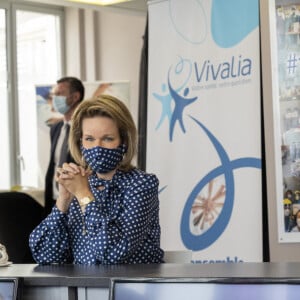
(120, 44)
(105, 46)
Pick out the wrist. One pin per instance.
(62, 205)
(83, 192)
(85, 200)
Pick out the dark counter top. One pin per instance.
(100, 275)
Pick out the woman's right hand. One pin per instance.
(73, 182)
(64, 196)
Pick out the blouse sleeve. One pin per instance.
(115, 240)
(49, 241)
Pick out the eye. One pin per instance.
(89, 139)
(108, 139)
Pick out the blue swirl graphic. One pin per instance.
(226, 168)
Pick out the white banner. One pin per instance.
(204, 129)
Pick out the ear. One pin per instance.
(76, 96)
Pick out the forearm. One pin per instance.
(49, 241)
(112, 247)
(113, 242)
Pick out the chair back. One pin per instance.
(19, 215)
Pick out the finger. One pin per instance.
(56, 176)
(58, 171)
(67, 175)
(83, 171)
(88, 172)
(63, 174)
(71, 167)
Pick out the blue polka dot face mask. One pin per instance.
(103, 160)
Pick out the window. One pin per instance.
(35, 59)
(4, 133)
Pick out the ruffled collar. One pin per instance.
(96, 182)
(109, 196)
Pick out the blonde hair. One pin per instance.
(106, 106)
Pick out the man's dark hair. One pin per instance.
(75, 85)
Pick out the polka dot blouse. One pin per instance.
(120, 226)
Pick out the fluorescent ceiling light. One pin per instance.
(100, 2)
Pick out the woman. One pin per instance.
(107, 211)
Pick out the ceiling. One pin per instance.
(133, 6)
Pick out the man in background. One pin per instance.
(66, 95)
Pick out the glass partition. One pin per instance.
(287, 20)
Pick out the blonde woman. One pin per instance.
(107, 211)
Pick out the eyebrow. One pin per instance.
(104, 135)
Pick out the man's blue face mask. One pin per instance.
(60, 104)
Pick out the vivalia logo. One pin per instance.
(235, 67)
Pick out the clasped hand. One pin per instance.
(73, 181)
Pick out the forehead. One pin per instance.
(61, 88)
(99, 125)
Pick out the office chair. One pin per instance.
(19, 215)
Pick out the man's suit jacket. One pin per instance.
(54, 135)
